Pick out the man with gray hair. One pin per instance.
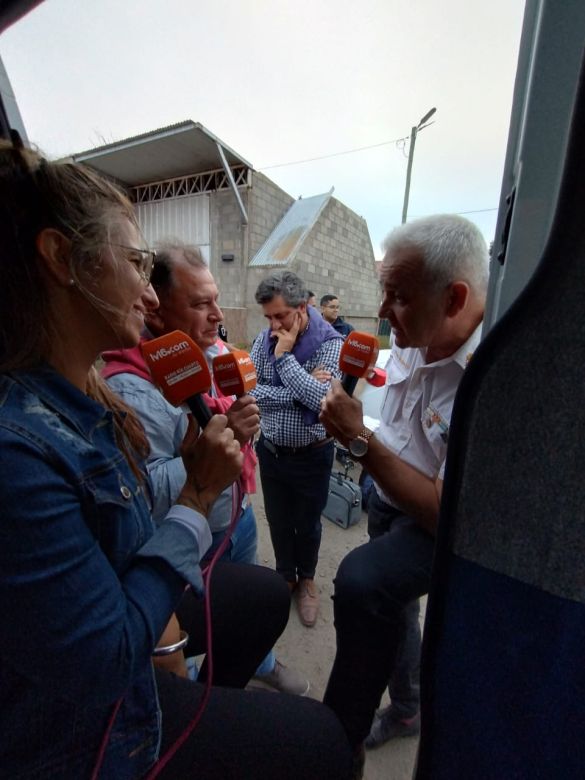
(434, 277)
(188, 301)
(295, 359)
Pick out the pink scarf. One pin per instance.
(130, 361)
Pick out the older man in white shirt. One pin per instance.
(434, 277)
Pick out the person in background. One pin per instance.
(311, 298)
(330, 308)
(434, 277)
(88, 585)
(188, 301)
(295, 358)
(222, 332)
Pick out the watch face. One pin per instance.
(358, 447)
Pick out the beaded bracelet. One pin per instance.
(168, 649)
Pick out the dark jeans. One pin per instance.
(404, 683)
(249, 611)
(295, 488)
(374, 584)
(250, 735)
(245, 735)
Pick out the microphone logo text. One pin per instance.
(358, 345)
(164, 352)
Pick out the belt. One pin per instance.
(277, 449)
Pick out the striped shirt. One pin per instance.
(281, 419)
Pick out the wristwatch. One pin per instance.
(359, 446)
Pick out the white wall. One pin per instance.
(185, 219)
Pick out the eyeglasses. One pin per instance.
(333, 306)
(141, 259)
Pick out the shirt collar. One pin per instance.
(465, 351)
(461, 356)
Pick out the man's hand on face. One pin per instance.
(287, 338)
(244, 418)
(341, 415)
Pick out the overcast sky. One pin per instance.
(282, 81)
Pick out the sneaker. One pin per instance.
(285, 680)
(387, 726)
(307, 602)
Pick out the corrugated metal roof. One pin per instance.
(166, 153)
(285, 240)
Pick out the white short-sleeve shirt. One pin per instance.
(417, 406)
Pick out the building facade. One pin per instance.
(189, 186)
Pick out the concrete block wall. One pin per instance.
(235, 322)
(267, 206)
(229, 236)
(337, 257)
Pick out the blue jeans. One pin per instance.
(295, 488)
(375, 583)
(242, 549)
(243, 545)
(404, 684)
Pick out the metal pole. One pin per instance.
(413, 134)
(232, 183)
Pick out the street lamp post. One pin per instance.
(413, 134)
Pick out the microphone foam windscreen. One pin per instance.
(234, 373)
(358, 354)
(178, 366)
(376, 377)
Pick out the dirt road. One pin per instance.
(311, 650)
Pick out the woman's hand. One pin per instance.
(212, 462)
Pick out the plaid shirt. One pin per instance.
(281, 419)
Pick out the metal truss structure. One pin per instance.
(194, 184)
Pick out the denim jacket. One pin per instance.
(86, 587)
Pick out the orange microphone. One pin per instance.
(179, 368)
(357, 358)
(376, 377)
(234, 373)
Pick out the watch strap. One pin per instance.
(365, 434)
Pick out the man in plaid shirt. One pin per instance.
(295, 359)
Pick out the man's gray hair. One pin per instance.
(451, 248)
(285, 283)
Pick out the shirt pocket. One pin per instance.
(436, 430)
(117, 515)
(390, 407)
